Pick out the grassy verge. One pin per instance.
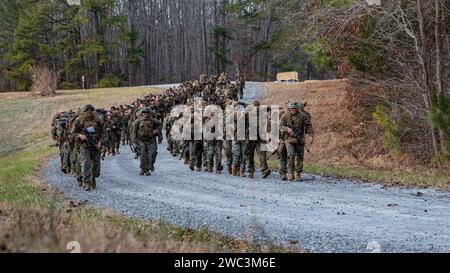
(36, 218)
(387, 177)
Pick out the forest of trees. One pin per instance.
(139, 42)
(397, 53)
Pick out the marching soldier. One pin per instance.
(294, 125)
(145, 131)
(255, 146)
(91, 133)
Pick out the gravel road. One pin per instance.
(320, 214)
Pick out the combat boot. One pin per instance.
(87, 186)
(199, 169)
(94, 184)
(80, 182)
(218, 172)
(230, 169)
(291, 176)
(185, 161)
(142, 172)
(283, 176)
(266, 173)
(192, 168)
(210, 169)
(117, 151)
(152, 168)
(242, 174)
(251, 174)
(234, 171)
(136, 156)
(298, 177)
(148, 173)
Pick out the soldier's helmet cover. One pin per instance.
(146, 111)
(88, 107)
(294, 105)
(256, 103)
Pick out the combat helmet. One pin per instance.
(294, 105)
(256, 103)
(88, 107)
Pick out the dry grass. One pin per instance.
(346, 147)
(25, 120)
(35, 218)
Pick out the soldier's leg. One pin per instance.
(262, 156)
(283, 163)
(192, 155)
(112, 143)
(205, 156)
(300, 153)
(291, 154)
(236, 150)
(243, 160)
(96, 165)
(78, 167)
(86, 167)
(186, 151)
(73, 161)
(61, 155)
(198, 154)
(123, 136)
(211, 153)
(218, 156)
(249, 156)
(154, 153)
(118, 136)
(143, 157)
(65, 158)
(229, 154)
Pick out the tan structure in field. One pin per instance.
(287, 77)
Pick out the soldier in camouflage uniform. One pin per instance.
(240, 84)
(214, 151)
(239, 146)
(126, 115)
(294, 125)
(62, 136)
(255, 146)
(91, 134)
(145, 131)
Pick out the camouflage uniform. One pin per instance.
(240, 84)
(93, 129)
(125, 135)
(62, 136)
(196, 154)
(146, 130)
(300, 121)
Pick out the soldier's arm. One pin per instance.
(134, 131)
(283, 124)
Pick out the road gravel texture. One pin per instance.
(320, 214)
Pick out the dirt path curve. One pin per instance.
(322, 214)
